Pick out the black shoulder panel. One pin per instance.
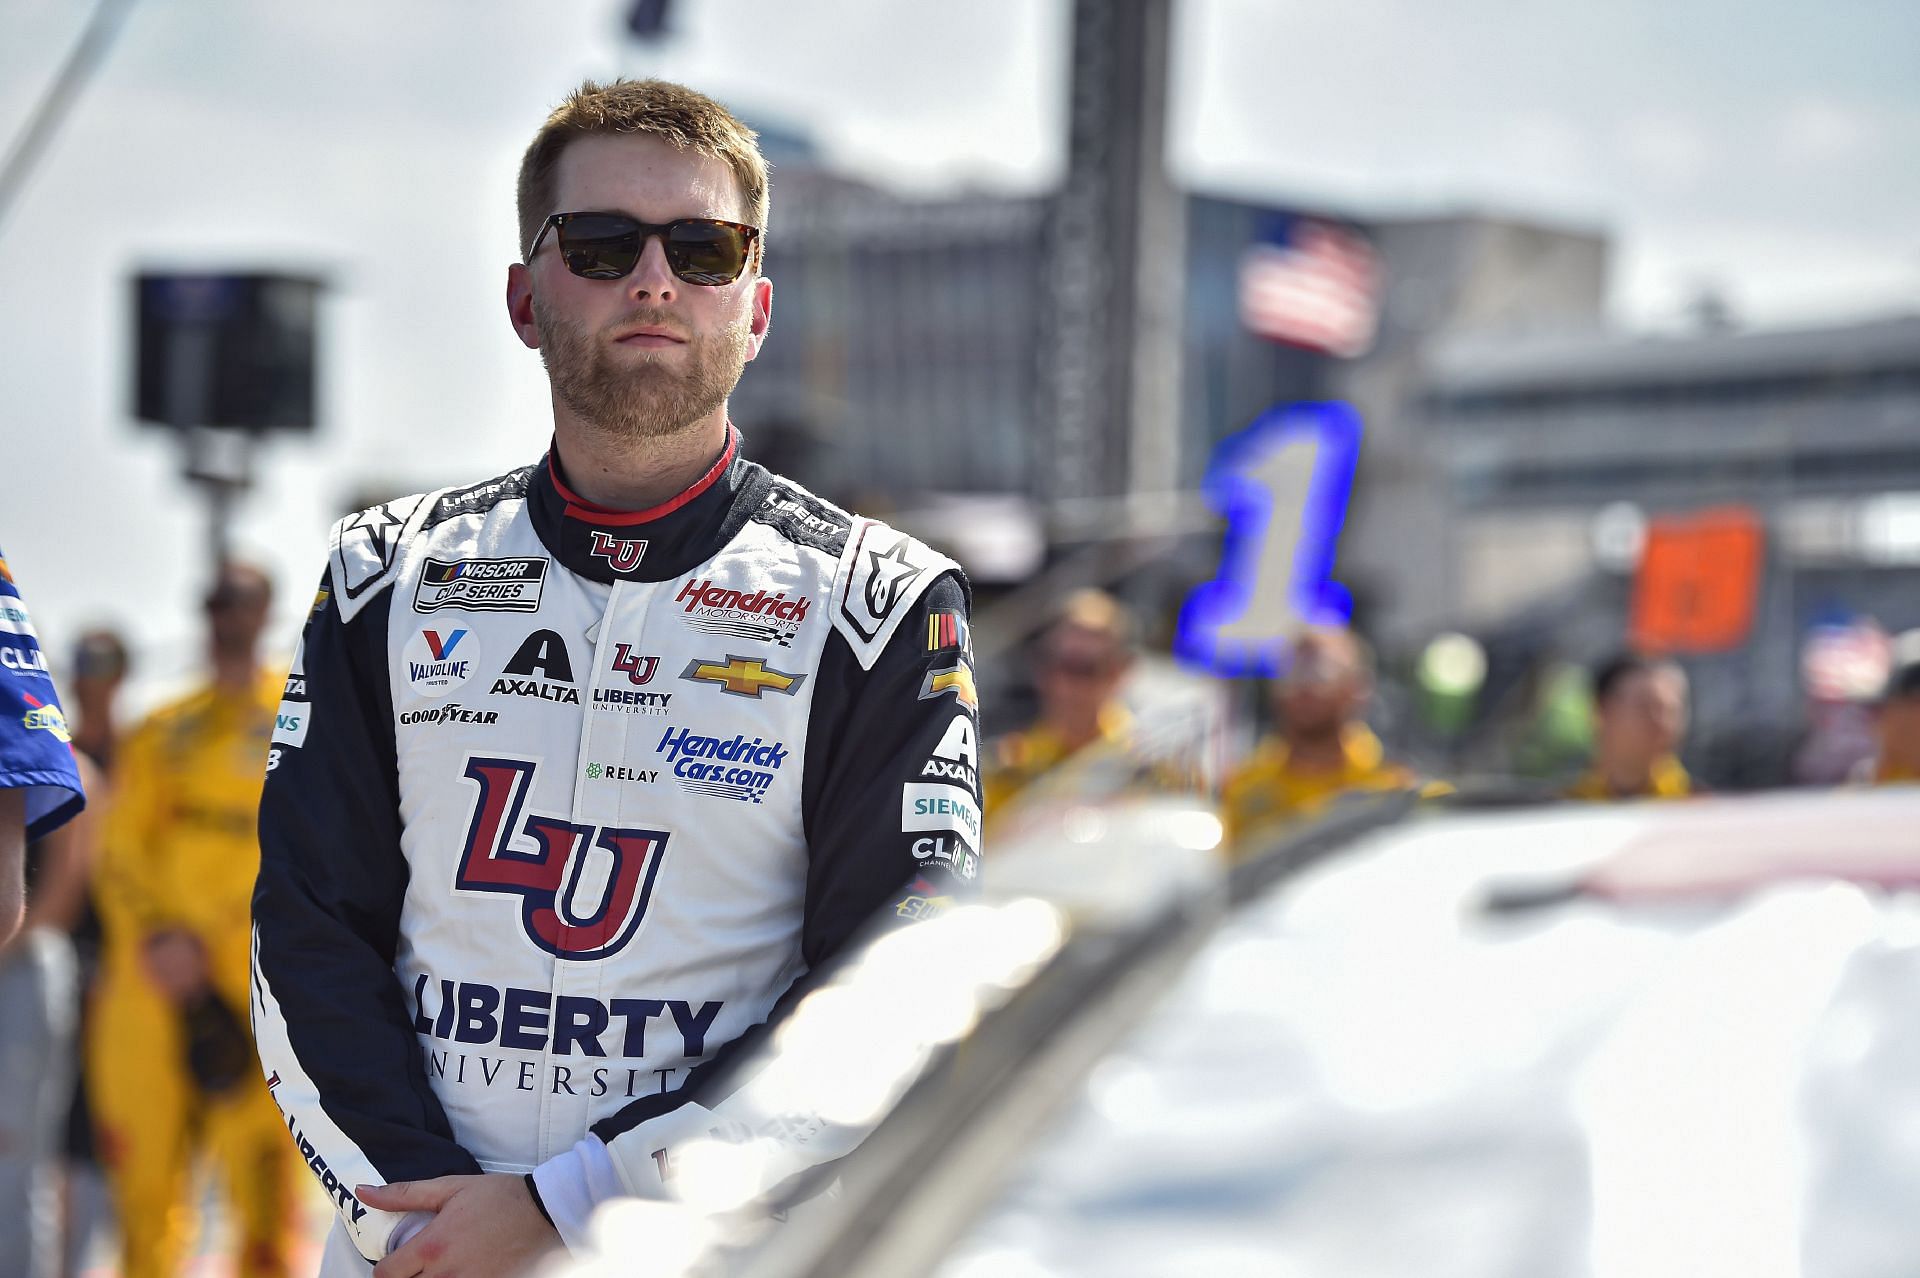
(802, 518)
(482, 497)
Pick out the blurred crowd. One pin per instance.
(129, 1069)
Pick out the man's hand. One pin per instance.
(483, 1227)
(176, 962)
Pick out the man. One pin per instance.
(167, 1066)
(585, 771)
(1896, 720)
(1083, 741)
(40, 791)
(1323, 747)
(39, 781)
(1640, 717)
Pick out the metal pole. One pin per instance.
(85, 59)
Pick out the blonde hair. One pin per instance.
(690, 120)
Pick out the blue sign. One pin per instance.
(1282, 485)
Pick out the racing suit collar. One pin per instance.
(655, 544)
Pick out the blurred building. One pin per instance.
(1554, 451)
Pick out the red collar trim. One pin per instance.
(580, 508)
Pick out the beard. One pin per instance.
(630, 399)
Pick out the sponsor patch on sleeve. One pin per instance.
(925, 806)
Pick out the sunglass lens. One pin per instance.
(702, 252)
(600, 247)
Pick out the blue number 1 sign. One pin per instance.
(1282, 484)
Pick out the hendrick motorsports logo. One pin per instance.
(737, 768)
(481, 585)
(773, 618)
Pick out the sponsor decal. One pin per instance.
(949, 630)
(957, 755)
(793, 509)
(296, 686)
(319, 601)
(743, 676)
(529, 1020)
(23, 660)
(922, 901)
(738, 768)
(627, 701)
(636, 668)
(337, 1190)
(883, 576)
(45, 716)
(546, 669)
(939, 807)
(948, 850)
(6, 573)
(583, 889)
(621, 554)
(379, 528)
(957, 679)
(620, 772)
(438, 661)
(889, 574)
(290, 723)
(452, 712)
(14, 618)
(716, 610)
(481, 585)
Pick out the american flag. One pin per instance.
(1316, 286)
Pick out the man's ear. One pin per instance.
(762, 314)
(520, 305)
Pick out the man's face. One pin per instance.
(1079, 672)
(1323, 689)
(627, 383)
(1645, 716)
(237, 612)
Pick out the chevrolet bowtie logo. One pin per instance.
(958, 680)
(743, 676)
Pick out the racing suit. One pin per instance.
(563, 800)
(180, 853)
(36, 756)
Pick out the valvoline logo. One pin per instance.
(438, 661)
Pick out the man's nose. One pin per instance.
(652, 279)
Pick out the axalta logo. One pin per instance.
(736, 768)
(750, 615)
(621, 554)
(438, 661)
(544, 654)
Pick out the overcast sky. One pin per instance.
(1766, 147)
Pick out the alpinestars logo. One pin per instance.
(621, 554)
(772, 618)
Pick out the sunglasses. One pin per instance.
(607, 246)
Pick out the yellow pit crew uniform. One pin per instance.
(1269, 788)
(1035, 767)
(181, 852)
(1668, 781)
